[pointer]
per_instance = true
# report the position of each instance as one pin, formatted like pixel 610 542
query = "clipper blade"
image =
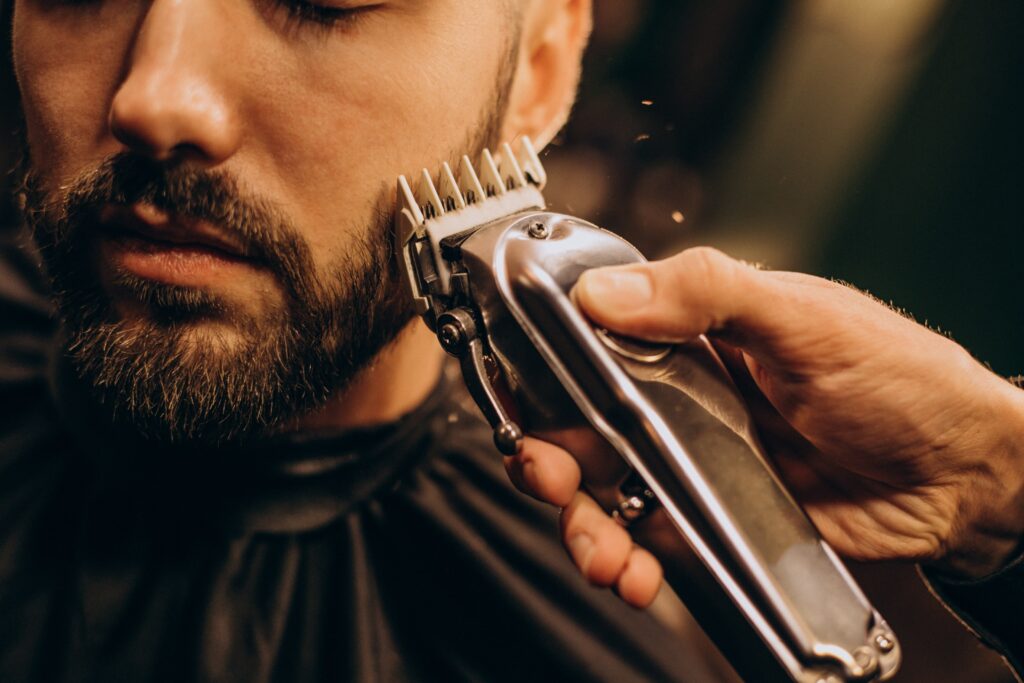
pixel 445 203
pixel 494 176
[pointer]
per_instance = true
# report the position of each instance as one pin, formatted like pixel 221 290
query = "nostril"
pixel 133 140
pixel 189 152
pixel 137 123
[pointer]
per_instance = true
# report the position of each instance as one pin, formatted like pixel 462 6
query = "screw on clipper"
pixel 538 231
pixel 885 642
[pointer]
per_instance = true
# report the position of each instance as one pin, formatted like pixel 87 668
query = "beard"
pixel 162 376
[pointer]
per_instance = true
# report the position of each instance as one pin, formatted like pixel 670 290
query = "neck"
pixel 399 379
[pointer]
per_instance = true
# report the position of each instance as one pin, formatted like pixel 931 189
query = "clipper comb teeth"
pixel 446 204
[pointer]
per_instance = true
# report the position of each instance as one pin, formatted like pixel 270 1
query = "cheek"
pixel 341 123
pixel 67 73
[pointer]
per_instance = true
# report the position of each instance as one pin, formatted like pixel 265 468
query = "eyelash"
pixel 304 11
pixel 300 12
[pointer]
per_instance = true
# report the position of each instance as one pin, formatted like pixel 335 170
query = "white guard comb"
pixel 437 209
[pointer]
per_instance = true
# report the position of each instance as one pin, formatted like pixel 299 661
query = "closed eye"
pixel 324 12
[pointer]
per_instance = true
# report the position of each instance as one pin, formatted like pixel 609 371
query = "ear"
pixel 554 35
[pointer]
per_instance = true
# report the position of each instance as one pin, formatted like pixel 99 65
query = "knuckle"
pixel 574 514
pixel 609 562
pixel 705 261
pixel 638 590
pixel 603 573
pixel 696 274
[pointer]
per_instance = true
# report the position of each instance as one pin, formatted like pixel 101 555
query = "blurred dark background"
pixel 874 141
pixel 868 140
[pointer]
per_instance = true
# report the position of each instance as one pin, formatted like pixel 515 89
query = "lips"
pixel 150 224
pixel 151 244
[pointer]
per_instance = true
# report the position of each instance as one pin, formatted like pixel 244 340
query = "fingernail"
pixel 581 547
pixel 616 288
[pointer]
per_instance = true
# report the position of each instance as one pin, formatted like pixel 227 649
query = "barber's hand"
pixel 898 444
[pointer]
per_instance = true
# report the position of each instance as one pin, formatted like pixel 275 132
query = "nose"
pixel 174 101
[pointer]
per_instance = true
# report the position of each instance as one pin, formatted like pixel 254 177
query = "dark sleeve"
pixel 502 601
pixel 992 608
pixel 26 333
pixel 28 464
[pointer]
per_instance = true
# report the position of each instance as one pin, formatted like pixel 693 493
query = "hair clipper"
pixel 663 439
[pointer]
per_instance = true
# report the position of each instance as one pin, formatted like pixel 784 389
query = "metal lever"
pixel 457 332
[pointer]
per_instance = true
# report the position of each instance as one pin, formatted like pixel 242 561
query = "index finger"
pixel 544 471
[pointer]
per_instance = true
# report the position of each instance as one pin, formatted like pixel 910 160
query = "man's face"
pixel 211 182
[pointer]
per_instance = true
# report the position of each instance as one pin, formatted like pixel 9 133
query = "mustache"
pixel 263 232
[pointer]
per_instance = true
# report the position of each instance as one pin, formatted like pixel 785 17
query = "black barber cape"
pixel 398 553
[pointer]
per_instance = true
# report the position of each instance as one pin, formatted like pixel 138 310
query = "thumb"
pixel 698 291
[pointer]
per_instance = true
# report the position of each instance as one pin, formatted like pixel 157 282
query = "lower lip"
pixel 173 264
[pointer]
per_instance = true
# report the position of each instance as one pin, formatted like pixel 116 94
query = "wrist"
pixel 989 533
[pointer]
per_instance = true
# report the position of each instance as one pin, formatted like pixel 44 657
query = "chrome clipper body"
pixel 662 436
